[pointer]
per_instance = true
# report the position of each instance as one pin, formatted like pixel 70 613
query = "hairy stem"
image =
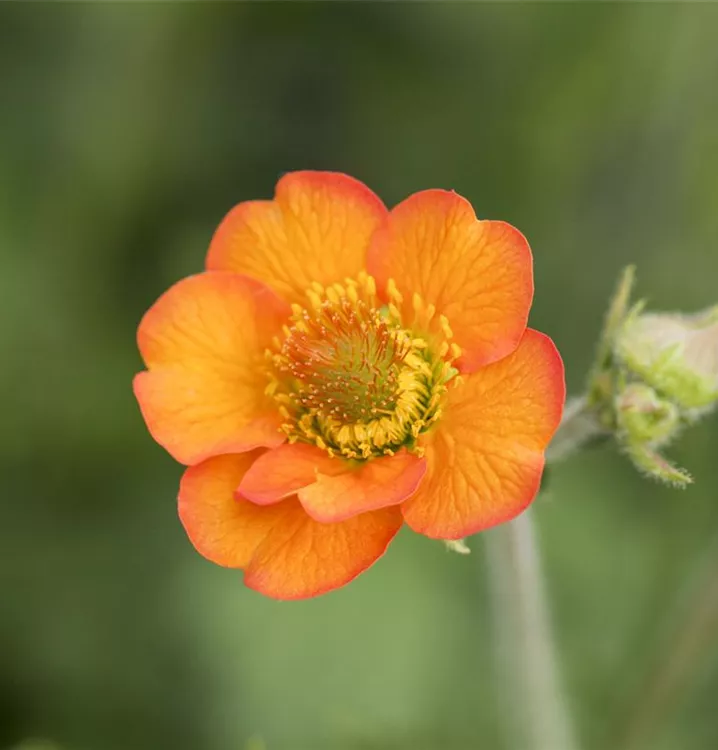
pixel 534 711
pixel 578 427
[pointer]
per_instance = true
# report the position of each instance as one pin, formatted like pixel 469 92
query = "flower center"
pixel 350 378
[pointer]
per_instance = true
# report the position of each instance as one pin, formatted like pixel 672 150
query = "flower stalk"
pixel 578 428
pixel 532 704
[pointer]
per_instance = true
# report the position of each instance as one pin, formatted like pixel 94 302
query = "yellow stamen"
pixel 352 378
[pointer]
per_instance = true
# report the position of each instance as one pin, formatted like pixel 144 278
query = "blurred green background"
pixel 126 132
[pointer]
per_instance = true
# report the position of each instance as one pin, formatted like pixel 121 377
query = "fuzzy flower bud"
pixel 655 373
pixel 676 354
pixel 645 421
pixel 644 416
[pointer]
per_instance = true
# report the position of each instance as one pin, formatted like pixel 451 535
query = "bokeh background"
pixel 126 132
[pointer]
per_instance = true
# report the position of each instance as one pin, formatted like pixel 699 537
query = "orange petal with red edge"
pixel 486 456
pixel 286 554
pixel 477 273
pixel 285 470
pixel 222 529
pixel 301 557
pixel 317 229
pixel 331 489
pixel 203 343
pixel 377 483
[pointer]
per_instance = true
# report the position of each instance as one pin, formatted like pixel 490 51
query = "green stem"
pixel 534 711
pixel 578 427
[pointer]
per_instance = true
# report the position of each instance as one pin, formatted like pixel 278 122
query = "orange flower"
pixel 339 369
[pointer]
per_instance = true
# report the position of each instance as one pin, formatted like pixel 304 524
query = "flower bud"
pixel 645 421
pixel 654 374
pixel 675 354
pixel 644 417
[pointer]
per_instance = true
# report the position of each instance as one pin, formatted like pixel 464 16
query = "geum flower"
pixel 340 369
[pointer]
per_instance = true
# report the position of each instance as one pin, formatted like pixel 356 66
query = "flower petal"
pixel 301 557
pixel 285 470
pixel 203 342
pixel 487 453
pixel 377 483
pixel 286 554
pixel 222 529
pixel 331 489
pixel 477 273
pixel 317 229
